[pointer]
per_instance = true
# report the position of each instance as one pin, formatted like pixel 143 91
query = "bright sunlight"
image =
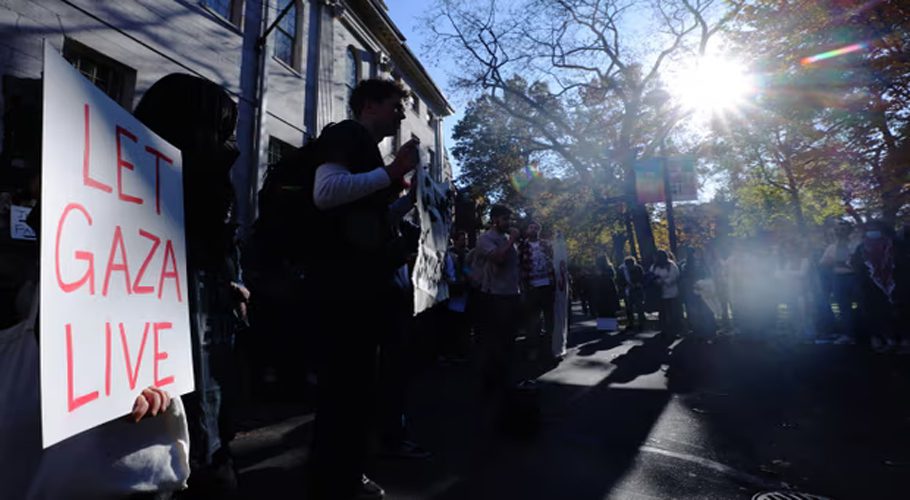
pixel 713 84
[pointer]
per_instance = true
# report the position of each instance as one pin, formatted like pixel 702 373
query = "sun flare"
pixel 713 84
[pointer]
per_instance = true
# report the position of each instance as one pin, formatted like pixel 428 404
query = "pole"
pixel 262 40
pixel 668 198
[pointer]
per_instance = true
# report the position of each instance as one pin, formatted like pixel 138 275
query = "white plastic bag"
pixel 113 460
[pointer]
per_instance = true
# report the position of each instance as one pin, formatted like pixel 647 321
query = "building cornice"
pixel 373 14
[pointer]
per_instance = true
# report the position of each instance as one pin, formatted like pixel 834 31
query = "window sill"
pixel 287 67
pixel 218 18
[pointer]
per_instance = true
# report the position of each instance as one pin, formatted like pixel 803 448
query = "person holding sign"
pixel 128 456
pixel 199 117
pixel 355 258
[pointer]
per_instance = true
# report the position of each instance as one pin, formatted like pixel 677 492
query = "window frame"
pixel 234 17
pixel 415 103
pixel 276 150
pixel 125 89
pixel 352 59
pixel 295 13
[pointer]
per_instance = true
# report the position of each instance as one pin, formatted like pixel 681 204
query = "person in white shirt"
pixel 667 273
pixel 538 289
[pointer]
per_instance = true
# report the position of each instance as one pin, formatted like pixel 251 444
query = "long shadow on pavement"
pixel 591 434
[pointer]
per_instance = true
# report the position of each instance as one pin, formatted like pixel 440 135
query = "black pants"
pixel 208 407
pixel 348 336
pixel 396 359
pixel 539 301
pixel 497 322
pixel 670 316
pixel 635 306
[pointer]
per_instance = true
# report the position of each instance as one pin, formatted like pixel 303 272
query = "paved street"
pixel 639 417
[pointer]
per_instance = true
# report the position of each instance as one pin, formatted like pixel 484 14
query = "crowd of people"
pixel 846 286
pixel 352 276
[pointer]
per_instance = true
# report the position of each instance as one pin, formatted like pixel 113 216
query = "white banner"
pixel 561 296
pixel 435 207
pixel 114 315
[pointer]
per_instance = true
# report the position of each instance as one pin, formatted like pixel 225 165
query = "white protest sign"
pixel 434 205
pixel 18 229
pixel 114 314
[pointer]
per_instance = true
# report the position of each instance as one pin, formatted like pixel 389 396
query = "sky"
pixel 406 15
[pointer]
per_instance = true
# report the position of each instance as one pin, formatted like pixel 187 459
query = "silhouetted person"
pixel 198 117
pixel 354 262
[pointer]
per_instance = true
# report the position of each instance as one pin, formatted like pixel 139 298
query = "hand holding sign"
pixel 151 400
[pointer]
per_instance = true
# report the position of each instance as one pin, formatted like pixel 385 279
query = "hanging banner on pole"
pixel 435 208
pixel 114 317
pixel 683 179
pixel 649 180
pixel 561 297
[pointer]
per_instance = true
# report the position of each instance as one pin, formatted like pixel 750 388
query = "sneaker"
pixel 369 490
pixel 405 449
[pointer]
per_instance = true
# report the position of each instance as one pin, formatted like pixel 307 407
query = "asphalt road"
pixel 640 417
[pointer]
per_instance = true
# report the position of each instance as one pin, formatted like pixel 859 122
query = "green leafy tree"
pixel 596 111
pixel 860 97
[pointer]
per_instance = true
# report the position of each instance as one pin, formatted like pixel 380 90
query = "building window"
pixel 415 103
pixel 352 73
pixel 278 149
pixel 430 118
pixel 228 9
pixel 431 164
pixel 286 34
pixel 114 79
pixel 370 59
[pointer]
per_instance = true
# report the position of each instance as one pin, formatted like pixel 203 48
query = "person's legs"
pixel 501 316
pixel 676 316
pixel 844 287
pixel 534 306
pixel 663 316
pixel 630 311
pixel 547 297
pixel 486 330
pixel 346 393
pixel 207 408
pixel 637 298
pixel 393 365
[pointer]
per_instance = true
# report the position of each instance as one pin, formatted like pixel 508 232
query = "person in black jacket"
pixel 631 283
pixel 353 265
pixel 199 118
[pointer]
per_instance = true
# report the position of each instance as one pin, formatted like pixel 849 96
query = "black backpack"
pixel 283 231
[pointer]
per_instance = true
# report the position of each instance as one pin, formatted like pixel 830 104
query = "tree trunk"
pixel 798 211
pixel 642 223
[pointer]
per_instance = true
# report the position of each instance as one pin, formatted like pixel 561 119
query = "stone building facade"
pixel 288 84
